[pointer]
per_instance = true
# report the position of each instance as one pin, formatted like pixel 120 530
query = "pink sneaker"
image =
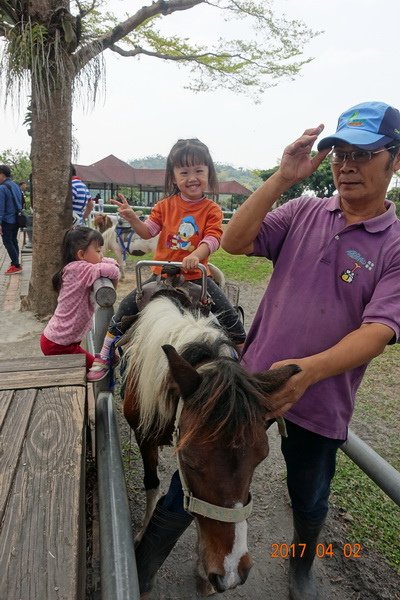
pixel 100 368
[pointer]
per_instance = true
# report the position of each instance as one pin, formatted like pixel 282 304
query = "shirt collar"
pixel 379 223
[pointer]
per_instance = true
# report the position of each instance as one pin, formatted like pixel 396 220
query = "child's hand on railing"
pixel 189 263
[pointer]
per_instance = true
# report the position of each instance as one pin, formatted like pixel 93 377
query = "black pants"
pixel 10 241
pixel 311 462
pixel 221 308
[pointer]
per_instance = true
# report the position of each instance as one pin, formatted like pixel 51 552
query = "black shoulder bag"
pixel 21 216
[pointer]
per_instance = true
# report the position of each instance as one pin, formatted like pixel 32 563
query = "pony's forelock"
pixel 147 372
pixel 227 405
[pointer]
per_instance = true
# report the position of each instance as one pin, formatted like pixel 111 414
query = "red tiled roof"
pixel 150 177
pixel 108 170
pixel 114 170
pixel 233 187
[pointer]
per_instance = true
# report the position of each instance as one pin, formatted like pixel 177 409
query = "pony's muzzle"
pixel 221 583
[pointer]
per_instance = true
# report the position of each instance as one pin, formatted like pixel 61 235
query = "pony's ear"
pixel 274 379
pixel 186 376
pixel 270 381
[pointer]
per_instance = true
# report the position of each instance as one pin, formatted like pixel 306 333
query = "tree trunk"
pixel 51 187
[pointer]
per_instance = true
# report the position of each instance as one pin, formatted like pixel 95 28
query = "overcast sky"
pixel 145 109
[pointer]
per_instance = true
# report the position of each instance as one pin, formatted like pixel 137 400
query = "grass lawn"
pixel 374 519
pixel 249 269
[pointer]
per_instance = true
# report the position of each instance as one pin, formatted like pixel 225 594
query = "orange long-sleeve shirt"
pixel 183 226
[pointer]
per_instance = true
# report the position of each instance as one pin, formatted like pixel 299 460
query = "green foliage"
pixel 294 192
pixel 19 163
pixel 156 161
pixel 272 51
pixel 394 196
pixel 319 183
pixel 131 194
pixel 51 44
pixel 246 177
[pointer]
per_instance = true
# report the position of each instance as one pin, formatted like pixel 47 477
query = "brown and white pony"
pixel 175 353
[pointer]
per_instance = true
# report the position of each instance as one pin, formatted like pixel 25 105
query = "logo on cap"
pixel 353 122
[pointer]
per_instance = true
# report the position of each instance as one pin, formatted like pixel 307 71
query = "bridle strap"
pixel 200 507
pixel 124 245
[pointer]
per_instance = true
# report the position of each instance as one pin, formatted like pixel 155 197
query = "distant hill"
pixel 149 162
pixel 225 172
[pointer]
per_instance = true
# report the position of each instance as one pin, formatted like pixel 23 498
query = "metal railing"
pixel 119 580
pixel 378 469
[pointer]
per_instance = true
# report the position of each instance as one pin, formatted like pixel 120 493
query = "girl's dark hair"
pixel 186 153
pixel 75 239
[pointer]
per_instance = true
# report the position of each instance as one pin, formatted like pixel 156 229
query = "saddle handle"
pixel 160 263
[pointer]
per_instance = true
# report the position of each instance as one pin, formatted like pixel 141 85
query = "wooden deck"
pixel 42 478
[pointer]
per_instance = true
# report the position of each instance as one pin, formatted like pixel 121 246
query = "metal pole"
pixel 104 292
pixel 119 580
pixel 377 469
pixel 105 296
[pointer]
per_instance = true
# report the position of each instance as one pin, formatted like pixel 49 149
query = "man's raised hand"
pixel 297 163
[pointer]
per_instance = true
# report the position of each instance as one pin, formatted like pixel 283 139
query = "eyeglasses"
pixel 338 157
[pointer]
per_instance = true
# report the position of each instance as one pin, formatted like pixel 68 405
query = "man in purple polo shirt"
pixel 333 301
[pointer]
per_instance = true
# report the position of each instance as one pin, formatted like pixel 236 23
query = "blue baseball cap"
pixel 370 125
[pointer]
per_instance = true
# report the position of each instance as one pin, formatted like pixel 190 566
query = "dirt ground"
pixel 364 578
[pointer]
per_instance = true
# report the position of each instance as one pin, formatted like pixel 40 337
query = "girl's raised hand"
pixel 124 209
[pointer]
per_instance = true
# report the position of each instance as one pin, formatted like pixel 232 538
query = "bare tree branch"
pixel 179 57
pixel 82 11
pixel 161 7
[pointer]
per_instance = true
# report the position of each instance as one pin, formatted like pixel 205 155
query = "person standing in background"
pixel 82 202
pixel 10 204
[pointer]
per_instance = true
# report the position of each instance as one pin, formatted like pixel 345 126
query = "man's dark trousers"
pixel 10 241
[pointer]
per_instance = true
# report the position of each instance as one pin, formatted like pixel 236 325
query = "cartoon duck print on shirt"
pixel 182 240
pixel 349 274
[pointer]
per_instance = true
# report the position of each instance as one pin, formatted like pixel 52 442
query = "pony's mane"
pixel 147 374
pixel 226 406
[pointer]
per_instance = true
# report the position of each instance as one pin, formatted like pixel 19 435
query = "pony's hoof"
pixel 145 596
pixel 204 587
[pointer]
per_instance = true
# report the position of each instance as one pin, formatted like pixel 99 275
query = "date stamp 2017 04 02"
pixel 321 550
